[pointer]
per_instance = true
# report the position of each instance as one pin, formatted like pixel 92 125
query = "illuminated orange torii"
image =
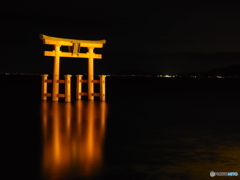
pixel 75 53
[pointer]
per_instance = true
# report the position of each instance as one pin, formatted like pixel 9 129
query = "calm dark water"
pixel 148 128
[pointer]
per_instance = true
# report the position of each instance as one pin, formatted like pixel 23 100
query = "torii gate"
pixel 75 53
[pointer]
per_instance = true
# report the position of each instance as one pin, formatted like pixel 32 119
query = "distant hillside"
pixel 233 70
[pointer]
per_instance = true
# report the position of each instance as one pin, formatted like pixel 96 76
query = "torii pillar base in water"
pixel 74 45
pixel 67 83
pixel 79 92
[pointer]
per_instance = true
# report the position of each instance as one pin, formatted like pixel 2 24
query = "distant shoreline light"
pixel 133 75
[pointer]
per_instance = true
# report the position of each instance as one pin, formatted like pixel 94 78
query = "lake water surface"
pixel 148 128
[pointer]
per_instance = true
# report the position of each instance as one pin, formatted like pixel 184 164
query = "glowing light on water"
pixel 72 138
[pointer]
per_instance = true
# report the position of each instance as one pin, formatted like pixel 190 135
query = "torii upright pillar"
pixel 55 85
pixel 90 74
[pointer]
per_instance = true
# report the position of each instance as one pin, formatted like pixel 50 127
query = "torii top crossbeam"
pixel 75 44
pixel 70 42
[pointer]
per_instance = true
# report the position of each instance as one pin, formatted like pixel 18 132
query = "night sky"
pixel 150 37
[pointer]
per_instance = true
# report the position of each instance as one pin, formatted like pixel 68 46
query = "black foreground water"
pixel 148 128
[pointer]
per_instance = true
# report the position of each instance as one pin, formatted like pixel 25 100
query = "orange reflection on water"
pixel 73 136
